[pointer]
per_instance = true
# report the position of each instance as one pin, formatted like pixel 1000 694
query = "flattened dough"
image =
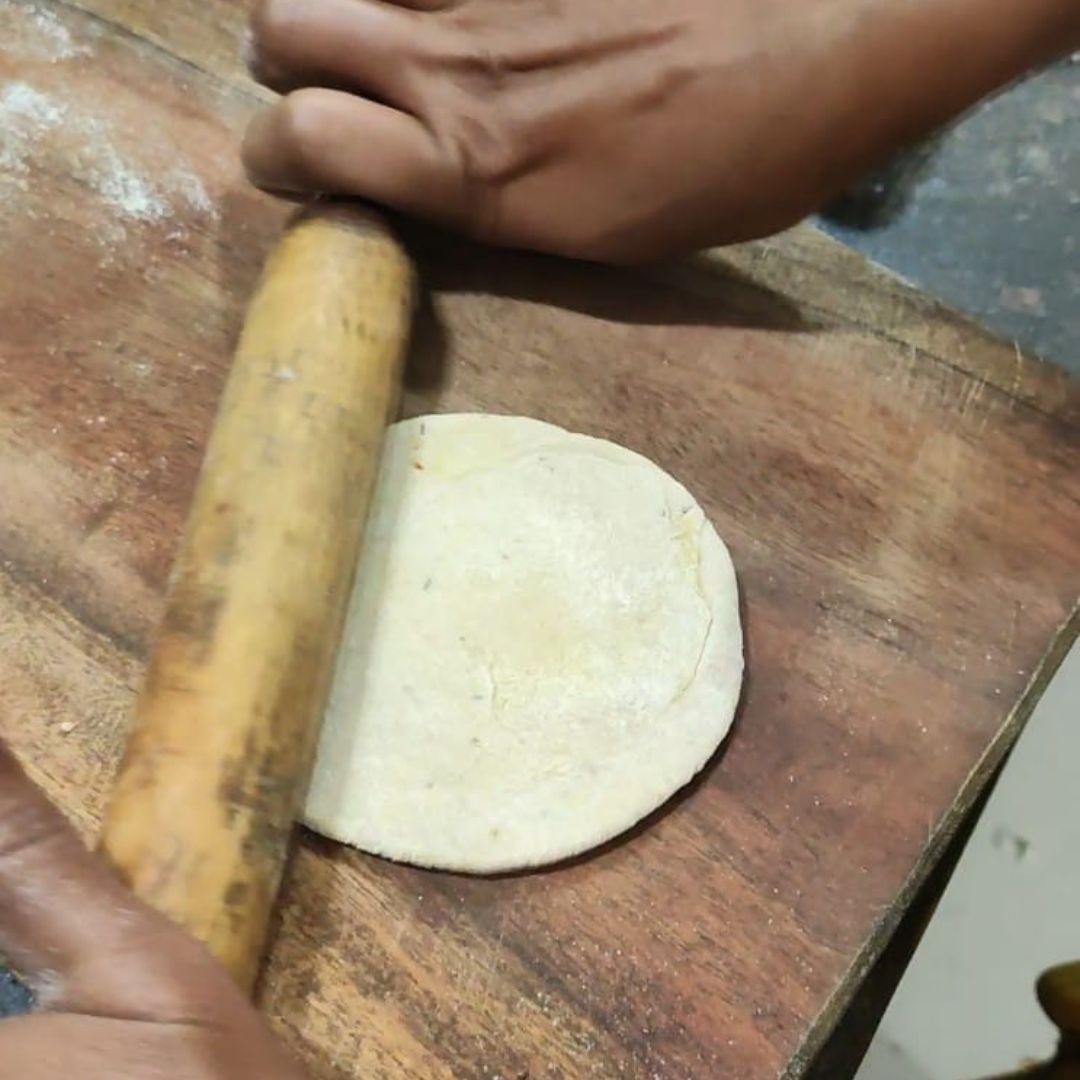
pixel 543 645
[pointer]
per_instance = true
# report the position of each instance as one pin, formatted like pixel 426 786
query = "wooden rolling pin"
pixel 224 734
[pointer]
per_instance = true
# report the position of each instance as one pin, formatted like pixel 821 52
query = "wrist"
pixel 913 65
pixel 934 58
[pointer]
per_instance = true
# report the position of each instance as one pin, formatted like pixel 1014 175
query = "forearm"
pixel 923 62
pixel 886 73
pixel 944 55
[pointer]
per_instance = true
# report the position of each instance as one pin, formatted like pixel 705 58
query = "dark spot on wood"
pixel 193 613
pixel 228 541
pixel 99 515
pixel 237 893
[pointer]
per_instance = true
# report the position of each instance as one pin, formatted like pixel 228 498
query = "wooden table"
pixel 900 492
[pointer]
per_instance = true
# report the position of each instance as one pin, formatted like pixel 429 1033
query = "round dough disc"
pixel 543 645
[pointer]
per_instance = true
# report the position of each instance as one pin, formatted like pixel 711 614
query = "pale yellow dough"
pixel 543 645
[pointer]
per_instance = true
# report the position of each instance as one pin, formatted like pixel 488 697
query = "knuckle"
pixel 488 154
pixel 299 129
pixel 28 828
pixel 461 78
pixel 272 22
pixel 476 60
pixel 485 166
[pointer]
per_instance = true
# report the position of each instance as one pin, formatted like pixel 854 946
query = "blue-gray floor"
pixel 13 998
pixel 993 226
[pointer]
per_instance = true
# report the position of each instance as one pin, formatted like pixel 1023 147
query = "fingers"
pixel 361 45
pixel 53 894
pixel 104 1048
pixel 350 123
pixel 328 141
pixel 94 1048
pixel 75 932
pixel 129 993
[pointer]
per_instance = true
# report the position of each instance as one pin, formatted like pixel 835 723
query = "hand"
pixel 620 130
pixel 122 992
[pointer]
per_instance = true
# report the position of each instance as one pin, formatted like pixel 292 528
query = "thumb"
pixel 73 930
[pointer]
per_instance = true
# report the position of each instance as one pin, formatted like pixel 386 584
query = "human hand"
pixel 620 130
pixel 121 991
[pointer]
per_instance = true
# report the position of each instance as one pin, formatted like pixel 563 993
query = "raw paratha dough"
pixel 543 645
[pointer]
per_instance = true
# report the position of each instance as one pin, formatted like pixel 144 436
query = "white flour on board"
pixel 56 38
pixel 122 187
pixel 26 116
pixel 22 101
pixel 125 190
pixel 51 41
pixel 56 134
pixel 40 129
pixel 190 188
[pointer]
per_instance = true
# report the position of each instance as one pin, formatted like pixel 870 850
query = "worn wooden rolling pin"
pixel 225 729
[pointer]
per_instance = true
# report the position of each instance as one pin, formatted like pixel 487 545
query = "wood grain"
pixel 901 495
pixel 224 732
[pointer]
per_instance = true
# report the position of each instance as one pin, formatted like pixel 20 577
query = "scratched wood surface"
pixel 901 495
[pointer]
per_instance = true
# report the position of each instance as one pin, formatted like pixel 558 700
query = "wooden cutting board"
pixel 900 492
